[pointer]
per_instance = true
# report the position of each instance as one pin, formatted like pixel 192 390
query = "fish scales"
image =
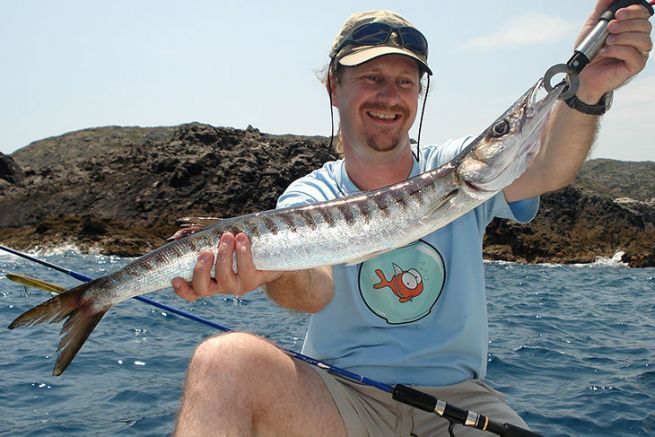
pixel 343 230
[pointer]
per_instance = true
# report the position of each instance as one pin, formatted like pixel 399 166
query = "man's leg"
pixel 241 385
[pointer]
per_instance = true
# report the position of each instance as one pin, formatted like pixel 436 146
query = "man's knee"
pixel 230 352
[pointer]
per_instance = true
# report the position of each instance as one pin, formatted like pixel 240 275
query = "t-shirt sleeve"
pixel 291 198
pixel 522 211
pixel 313 188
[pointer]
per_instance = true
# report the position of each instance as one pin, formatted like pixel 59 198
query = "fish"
pixel 405 284
pixel 347 230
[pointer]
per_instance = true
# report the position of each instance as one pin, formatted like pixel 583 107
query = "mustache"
pixel 377 107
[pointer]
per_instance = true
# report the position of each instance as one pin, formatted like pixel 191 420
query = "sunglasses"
pixel 373 34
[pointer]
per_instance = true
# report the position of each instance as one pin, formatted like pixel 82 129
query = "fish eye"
pixel 501 128
pixel 409 280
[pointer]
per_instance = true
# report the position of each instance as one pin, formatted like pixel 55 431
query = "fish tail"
pixel 383 280
pixel 82 318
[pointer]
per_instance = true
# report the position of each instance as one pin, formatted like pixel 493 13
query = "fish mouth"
pixel 498 161
pixel 539 98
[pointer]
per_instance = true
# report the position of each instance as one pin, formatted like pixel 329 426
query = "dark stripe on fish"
pixel 364 209
pixel 415 191
pixel 347 213
pixel 270 225
pixel 399 197
pixel 308 218
pixel 287 219
pixel 177 248
pixel 327 217
pixel 251 228
pixel 236 228
pixel 381 202
pixel 190 243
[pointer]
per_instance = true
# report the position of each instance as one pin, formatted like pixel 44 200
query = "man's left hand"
pixel 624 54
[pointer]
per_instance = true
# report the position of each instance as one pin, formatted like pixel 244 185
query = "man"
pixel 240 384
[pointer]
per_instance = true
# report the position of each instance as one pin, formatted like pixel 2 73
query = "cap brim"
pixel 366 53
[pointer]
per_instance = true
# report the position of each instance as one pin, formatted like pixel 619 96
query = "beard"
pixel 385 139
pixel 382 142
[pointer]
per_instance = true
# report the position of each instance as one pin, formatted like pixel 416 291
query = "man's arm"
pixel 303 290
pixel 570 134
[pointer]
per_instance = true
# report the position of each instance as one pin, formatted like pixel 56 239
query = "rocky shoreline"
pixel 120 190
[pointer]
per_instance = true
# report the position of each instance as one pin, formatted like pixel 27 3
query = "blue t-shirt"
pixel 418 314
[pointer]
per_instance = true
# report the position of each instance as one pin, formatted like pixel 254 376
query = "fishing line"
pixel 399 392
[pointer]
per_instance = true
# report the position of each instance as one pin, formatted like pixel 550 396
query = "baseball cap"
pixel 358 41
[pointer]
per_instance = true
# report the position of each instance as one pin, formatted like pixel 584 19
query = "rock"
pixel 9 170
pixel 120 190
pixel 575 226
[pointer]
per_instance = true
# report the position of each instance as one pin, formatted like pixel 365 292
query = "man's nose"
pixel 389 92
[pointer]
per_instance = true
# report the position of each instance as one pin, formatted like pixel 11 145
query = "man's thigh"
pixel 367 411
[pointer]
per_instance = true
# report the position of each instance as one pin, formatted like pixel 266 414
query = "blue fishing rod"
pixel 401 393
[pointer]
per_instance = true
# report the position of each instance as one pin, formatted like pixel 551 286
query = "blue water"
pixel 572 347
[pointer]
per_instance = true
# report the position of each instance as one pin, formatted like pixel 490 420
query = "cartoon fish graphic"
pixel 404 284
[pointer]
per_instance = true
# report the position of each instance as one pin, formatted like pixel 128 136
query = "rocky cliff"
pixel 120 190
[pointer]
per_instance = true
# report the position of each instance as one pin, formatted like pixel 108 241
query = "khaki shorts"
pixel 367 411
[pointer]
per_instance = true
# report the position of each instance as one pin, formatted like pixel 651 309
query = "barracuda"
pixel 345 230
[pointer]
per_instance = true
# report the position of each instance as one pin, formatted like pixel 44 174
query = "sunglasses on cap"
pixel 373 34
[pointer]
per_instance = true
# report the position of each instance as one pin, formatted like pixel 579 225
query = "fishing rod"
pixel 401 393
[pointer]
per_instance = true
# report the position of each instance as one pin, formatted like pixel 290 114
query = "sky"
pixel 70 65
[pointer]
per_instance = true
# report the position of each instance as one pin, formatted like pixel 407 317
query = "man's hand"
pixel 624 54
pixel 570 134
pixel 227 281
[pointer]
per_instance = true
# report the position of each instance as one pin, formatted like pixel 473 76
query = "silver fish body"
pixel 344 230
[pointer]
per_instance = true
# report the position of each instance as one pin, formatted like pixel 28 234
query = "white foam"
pixel 55 250
pixel 62 249
pixel 614 261
pixel 510 264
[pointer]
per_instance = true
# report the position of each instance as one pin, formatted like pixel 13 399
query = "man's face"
pixel 377 102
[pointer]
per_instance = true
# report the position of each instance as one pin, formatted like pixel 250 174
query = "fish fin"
pixel 52 310
pixel 82 318
pixel 76 330
pixel 34 282
pixel 185 232
pixel 191 225
pixel 445 199
pixel 187 222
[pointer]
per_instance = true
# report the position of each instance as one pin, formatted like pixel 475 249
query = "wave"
pixel 67 248
pixel 62 249
pixel 614 261
pixel 510 264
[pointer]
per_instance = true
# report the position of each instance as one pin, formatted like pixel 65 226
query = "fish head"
pixel 505 149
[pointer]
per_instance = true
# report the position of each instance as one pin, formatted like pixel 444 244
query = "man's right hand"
pixel 227 281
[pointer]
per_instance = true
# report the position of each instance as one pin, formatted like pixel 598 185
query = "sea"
pixel 571 346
